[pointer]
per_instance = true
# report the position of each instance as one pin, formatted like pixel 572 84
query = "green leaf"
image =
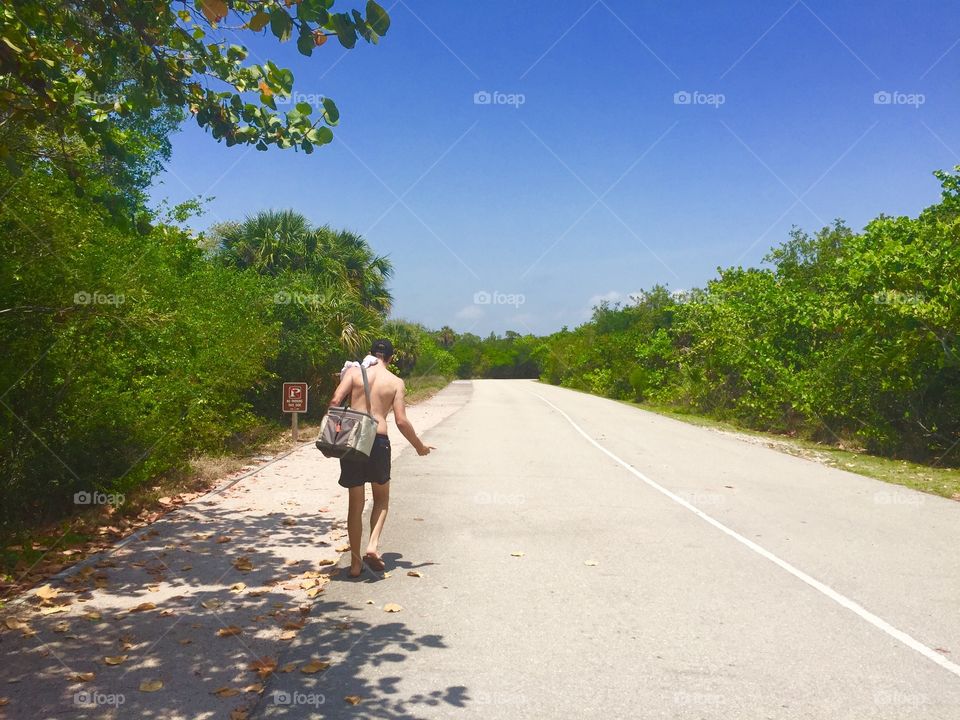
pixel 304 108
pixel 259 21
pixel 320 135
pixel 285 78
pixel 330 112
pixel 313 11
pixel 305 42
pixel 377 18
pixel 281 24
pixel 343 27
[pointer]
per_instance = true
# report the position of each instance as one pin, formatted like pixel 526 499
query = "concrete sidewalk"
pixel 195 615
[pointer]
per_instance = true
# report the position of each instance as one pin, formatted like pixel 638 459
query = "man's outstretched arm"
pixel 404 425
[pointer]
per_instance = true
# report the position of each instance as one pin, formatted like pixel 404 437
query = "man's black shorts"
pixel 376 469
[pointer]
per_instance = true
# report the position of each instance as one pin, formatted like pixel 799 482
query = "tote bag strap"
pixel 366 389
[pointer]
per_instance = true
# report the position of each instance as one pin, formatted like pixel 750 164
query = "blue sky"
pixel 588 177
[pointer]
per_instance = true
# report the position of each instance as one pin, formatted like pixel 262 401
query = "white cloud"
pixel 470 312
pixel 610 297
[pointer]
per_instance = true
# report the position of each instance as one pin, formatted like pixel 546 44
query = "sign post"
pixel 294 401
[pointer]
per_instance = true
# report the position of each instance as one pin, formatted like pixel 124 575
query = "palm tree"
pixel 446 337
pixel 333 283
pixel 269 242
pixel 275 241
pixel 367 272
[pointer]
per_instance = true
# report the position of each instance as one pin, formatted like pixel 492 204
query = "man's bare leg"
pixel 378 516
pixel 355 528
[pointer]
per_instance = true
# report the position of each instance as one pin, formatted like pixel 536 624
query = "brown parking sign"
pixel 295 397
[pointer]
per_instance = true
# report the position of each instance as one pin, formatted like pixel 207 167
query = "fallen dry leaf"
pixel 4 701
pixel 61 627
pixel 313 592
pixel 343 548
pixel 263 666
pixel 314 666
pixel 13 623
pixel 238 587
pixel 353 699
pixel 370 602
pixel 226 692
pixel 288 635
pixel 92 615
pixel 150 685
pixel 392 608
pixel 127 641
pixel 224 539
pixel 51 609
pixel 229 631
pixel 414 573
pixel 255 687
pixel 186 641
pixel 289 521
pixel 243 564
pixel 142 607
pixel 516 553
pixel 114 659
pixel 289 667
pixel 239 714
pixel 591 563
pixel 212 604
pixel 326 562
pixel 82 677
pixel 45 592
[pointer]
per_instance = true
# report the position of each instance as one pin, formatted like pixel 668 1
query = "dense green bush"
pixel 122 352
pixel 844 336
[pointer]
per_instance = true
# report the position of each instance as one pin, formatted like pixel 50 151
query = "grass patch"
pixel 423 387
pixel 935 480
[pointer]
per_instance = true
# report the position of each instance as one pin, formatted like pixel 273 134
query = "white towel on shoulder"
pixel 367 362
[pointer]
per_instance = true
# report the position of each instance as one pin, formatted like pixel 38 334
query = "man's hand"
pixel 425 449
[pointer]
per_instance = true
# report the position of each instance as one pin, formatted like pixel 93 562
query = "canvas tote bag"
pixel 347 433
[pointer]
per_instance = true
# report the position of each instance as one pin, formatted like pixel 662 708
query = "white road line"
pixel 840 599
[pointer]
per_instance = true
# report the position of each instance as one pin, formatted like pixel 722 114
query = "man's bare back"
pixel 385 387
pixel 387 393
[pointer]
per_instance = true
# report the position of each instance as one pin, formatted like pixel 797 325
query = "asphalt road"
pixel 637 567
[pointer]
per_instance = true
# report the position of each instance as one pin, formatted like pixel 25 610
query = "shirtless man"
pixel 386 394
